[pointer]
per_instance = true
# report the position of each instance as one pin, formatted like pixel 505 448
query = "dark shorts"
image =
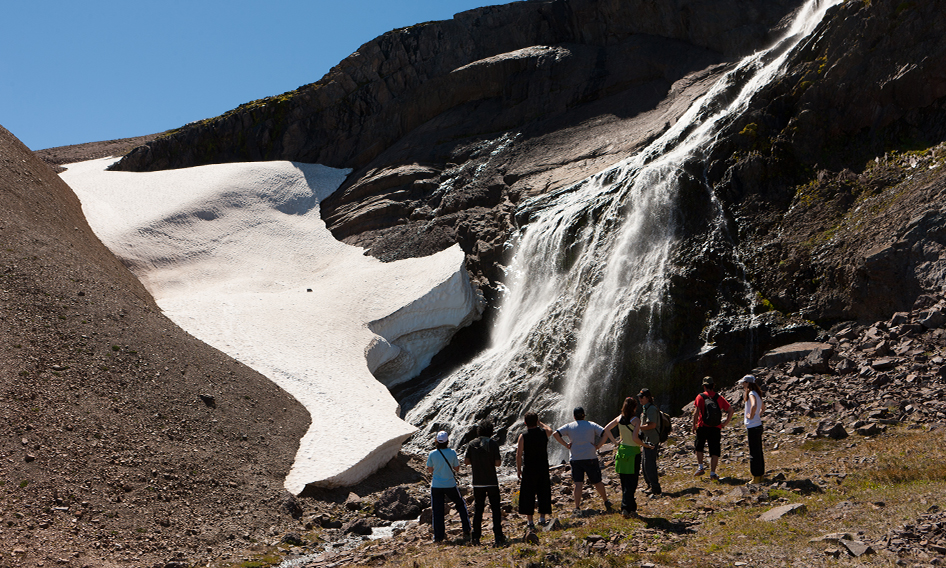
pixel 710 435
pixel 581 467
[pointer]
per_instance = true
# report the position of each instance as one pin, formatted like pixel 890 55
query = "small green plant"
pixel 24 483
pixel 751 130
pixel 767 306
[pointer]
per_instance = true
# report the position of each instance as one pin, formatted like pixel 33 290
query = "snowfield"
pixel 238 256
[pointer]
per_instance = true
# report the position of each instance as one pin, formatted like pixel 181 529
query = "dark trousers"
pixel 480 494
pixel 535 488
pixel 629 487
pixel 650 469
pixel 756 459
pixel 438 495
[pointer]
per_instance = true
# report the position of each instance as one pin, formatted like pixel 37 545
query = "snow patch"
pixel 238 256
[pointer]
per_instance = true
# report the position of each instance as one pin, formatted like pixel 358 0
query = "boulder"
pixel 932 319
pixel 359 526
pixel 817 360
pixel 856 548
pixel 779 512
pixel 871 429
pixel 354 502
pixel 796 352
pixel 397 504
pixel 833 430
pixel 327 522
pixel 899 318
pixel 530 537
pixel 289 505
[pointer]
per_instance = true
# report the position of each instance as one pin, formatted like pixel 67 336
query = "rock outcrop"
pixel 830 186
pixel 409 76
pixel 449 124
pixel 834 178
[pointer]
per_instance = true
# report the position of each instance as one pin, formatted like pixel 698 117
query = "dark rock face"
pixel 834 177
pixel 406 77
pixel 448 125
pixel 832 213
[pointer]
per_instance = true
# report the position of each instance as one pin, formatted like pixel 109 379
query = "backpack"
pixel 712 413
pixel 664 426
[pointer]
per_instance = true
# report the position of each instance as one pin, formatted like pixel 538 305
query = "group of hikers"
pixel 639 428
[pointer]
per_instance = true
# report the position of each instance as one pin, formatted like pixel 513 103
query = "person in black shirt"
pixel 483 456
pixel 532 468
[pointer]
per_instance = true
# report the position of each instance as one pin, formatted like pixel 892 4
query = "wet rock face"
pixel 832 224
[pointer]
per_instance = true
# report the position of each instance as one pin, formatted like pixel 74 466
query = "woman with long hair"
pixel 755 406
pixel 627 459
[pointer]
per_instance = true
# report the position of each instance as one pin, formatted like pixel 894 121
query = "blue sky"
pixel 73 72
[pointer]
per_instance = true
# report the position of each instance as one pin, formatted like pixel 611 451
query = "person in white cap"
pixel 443 464
pixel 755 406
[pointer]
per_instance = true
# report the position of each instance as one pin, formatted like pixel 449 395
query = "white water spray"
pixel 590 258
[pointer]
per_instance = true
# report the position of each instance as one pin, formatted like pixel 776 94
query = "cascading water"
pixel 591 261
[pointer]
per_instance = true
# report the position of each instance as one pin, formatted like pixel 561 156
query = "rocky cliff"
pixel 449 124
pixel 834 180
pixel 831 185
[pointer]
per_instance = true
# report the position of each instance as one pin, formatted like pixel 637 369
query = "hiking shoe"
pixel 542 521
pixel 714 477
pixel 700 470
pixel 576 512
pixel 757 479
pixel 500 542
pixel 530 526
pixel 608 506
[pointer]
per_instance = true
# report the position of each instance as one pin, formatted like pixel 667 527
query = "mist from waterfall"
pixel 589 259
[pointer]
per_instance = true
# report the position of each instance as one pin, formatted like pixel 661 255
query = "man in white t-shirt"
pixel 583 455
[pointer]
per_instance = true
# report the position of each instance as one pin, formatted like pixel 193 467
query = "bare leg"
pixel 699 458
pixel 713 461
pixel 599 487
pixel 578 487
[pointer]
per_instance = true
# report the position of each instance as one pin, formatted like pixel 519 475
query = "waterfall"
pixel 592 261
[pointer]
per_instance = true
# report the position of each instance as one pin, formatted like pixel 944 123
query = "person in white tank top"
pixel 755 406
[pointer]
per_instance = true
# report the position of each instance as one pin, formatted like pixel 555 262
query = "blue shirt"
pixel 443 478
